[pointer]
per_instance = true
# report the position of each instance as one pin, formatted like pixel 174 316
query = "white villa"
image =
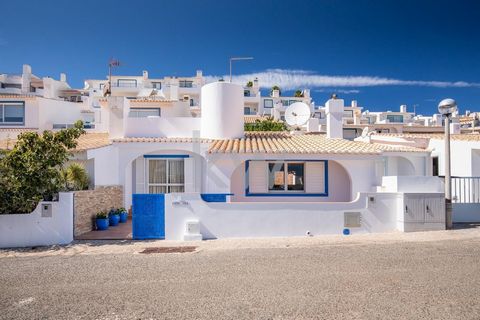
pixel 217 181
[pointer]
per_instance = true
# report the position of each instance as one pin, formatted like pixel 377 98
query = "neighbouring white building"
pixel 219 181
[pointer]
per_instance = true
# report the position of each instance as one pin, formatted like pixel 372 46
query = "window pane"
pixel 143 113
pixel 132 83
pixel 157 171
pixel 175 172
pixel 157 189
pixel 295 180
pixel 177 189
pixel 14 113
pixel 268 103
pixel 1 113
pixel 276 176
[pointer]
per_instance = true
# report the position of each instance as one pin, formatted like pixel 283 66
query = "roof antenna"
pixel 112 63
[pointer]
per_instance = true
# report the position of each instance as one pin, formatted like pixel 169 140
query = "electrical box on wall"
pixel 46 210
pixel 352 219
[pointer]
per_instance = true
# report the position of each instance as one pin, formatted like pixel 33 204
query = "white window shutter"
pixel 140 175
pixel 315 177
pixel 189 171
pixel 258 177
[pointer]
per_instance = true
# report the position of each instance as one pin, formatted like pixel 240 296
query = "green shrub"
pixel 102 215
pixel 31 171
pixel 268 124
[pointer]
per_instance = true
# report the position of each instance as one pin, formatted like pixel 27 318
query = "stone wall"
pixel 88 203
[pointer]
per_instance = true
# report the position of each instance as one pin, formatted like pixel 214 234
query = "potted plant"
pixel 102 220
pixel 123 215
pixel 113 217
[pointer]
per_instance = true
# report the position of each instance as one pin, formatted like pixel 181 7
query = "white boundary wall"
pixel 27 230
pixel 278 219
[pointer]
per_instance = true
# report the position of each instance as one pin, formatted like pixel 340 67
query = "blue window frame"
pixel 12 113
pixel 287 193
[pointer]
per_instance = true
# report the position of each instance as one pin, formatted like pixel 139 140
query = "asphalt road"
pixel 399 279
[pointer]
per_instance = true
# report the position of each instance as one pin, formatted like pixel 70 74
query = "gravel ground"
pixel 434 275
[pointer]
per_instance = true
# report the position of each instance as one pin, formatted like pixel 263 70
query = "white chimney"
pixel 403 108
pixel 63 77
pixel 199 73
pixel 313 125
pixel 306 93
pixel 334 112
pixel 145 75
pixel 27 69
pixel 354 103
pixel 222 111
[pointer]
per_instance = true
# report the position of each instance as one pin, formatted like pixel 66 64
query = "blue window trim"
pixel 285 194
pixel 166 156
pixel 13 124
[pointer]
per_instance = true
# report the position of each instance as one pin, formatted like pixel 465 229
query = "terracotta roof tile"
pixel 283 142
pixel 85 142
pixel 437 136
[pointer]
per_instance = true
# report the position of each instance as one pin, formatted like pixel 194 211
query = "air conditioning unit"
pixel 192 231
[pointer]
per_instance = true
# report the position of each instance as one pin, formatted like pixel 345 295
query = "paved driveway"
pixel 415 276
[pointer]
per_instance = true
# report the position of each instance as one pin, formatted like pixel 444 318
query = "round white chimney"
pixel 222 111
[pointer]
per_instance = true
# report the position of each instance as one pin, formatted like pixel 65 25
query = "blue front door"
pixel 148 216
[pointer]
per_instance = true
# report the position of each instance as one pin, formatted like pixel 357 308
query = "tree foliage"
pixel 74 177
pixel 31 170
pixel 276 88
pixel 268 124
pixel 298 94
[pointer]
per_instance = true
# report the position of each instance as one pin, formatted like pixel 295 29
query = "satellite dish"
pixel 297 114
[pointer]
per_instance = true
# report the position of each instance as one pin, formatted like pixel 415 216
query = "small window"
pixel 12 113
pixel 348 113
pixel 128 83
pixel 246 93
pixel 143 113
pixel 185 84
pixel 286 176
pixel 268 103
pixel 395 118
pixel 246 111
pixel 157 85
pixel 166 175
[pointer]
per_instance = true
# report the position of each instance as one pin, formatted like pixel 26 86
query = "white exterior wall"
pixel 465 160
pixel 57 112
pixel 280 219
pixel 27 230
pixel 177 127
pixel 105 163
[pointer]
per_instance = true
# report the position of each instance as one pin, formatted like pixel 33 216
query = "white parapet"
pixel 49 224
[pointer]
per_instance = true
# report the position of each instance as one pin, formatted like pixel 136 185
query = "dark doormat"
pixel 168 250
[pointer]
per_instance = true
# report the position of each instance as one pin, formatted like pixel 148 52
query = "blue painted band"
pixel 166 156
pixel 215 197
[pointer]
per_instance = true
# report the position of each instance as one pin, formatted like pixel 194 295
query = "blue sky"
pixel 381 53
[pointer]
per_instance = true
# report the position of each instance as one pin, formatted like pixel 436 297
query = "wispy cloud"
pixel 297 79
pixel 333 90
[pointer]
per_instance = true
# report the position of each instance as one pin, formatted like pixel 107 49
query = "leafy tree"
pixel 298 94
pixel 74 177
pixel 249 84
pixel 268 124
pixel 31 170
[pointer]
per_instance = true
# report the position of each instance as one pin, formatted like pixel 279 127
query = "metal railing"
pixel 465 189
